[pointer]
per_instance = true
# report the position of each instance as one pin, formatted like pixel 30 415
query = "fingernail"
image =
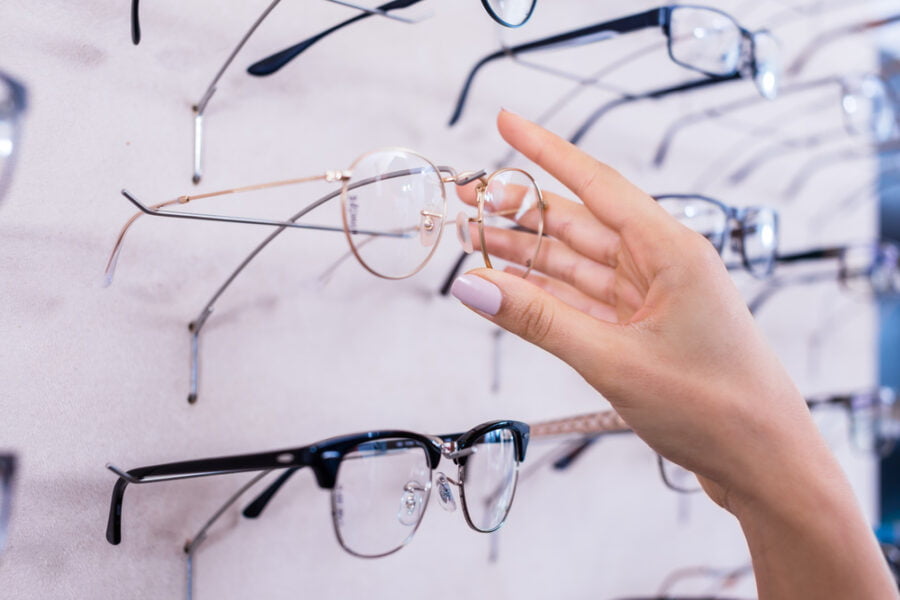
pixel 478 293
pixel 506 110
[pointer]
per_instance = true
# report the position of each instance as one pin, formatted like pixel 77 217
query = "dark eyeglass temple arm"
pixel 715 112
pixel 293 458
pixel 776 285
pixel 600 31
pixel 135 23
pixel 275 62
pixel 655 94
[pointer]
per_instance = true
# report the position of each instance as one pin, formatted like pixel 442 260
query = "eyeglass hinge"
pixel 337 175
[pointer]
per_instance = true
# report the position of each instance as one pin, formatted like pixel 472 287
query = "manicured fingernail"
pixel 478 293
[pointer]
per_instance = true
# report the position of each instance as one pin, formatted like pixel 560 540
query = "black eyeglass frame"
pixel 8 464
pixel 655 17
pixel 324 458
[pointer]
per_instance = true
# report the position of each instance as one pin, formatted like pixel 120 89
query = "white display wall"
pixel 94 375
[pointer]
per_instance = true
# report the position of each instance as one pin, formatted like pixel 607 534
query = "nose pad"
pixel 429 227
pixel 445 493
pixel 464 233
pixel 412 502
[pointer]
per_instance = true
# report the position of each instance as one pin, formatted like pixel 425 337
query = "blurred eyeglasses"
pixel 13 100
pixel 380 482
pixel 510 13
pixel 393 212
pixel 752 231
pixel 7 472
pixel 864 99
pixel 867 270
pixel 873 416
pixel 699 38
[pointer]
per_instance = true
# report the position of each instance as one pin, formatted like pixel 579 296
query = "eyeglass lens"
pixel 8 124
pixel 759 229
pixel 871 269
pixel 868 109
pixel 874 422
pixel 511 13
pixel 706 218
pixel 380 495
pixel 767 64
pixel 489 479
pixel 704 40
pixel 509 211
pixel 395 219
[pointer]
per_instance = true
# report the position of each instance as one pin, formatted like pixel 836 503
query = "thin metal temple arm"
pixel 200 107
pixel 685 121
pixel 780 148
pixel 776 285
pixel 817 163
pixel 586 126
pixel 197 324
pixel 190 547
pixel 275 62
pixel 651 18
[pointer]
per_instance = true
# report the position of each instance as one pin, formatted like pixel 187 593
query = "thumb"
pixel 515 304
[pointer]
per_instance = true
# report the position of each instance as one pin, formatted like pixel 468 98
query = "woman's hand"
pixel 644 309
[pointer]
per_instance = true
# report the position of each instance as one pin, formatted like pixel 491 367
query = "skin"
pixel 644 309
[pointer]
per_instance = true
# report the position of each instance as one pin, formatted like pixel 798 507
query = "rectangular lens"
pixel 704 40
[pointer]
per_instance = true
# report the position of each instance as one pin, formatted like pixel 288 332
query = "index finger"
pixel 608 195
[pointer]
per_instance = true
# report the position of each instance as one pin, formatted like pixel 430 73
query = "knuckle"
pixel 536 321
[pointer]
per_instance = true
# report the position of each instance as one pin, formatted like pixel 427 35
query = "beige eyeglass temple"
pixel 598 422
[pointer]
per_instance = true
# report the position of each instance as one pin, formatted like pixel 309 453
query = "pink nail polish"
pixel 478 293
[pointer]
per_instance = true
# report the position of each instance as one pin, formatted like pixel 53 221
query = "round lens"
pixel 678 478
pixel 767 64
pixel 8 132
pixel 760 240
pixel 489 479
pixel 868 109
pixel 380 494
pixel 394 210
pixel 703 215
pixel 513 221
pixel 705 40
pixel 511 13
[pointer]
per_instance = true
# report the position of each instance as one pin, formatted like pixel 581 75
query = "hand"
pixel 644 309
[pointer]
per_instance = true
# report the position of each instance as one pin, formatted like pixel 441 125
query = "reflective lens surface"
pixel 760 240
pixel 513 221
pixel 511 13
pixel 705 40
pixel 9 124
pixel 489 479
pixel 874 422
pixel 379 497
pixel 871 269
pixel 702 215
pixel 868 109
pixel 394 210
pixel 767 64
